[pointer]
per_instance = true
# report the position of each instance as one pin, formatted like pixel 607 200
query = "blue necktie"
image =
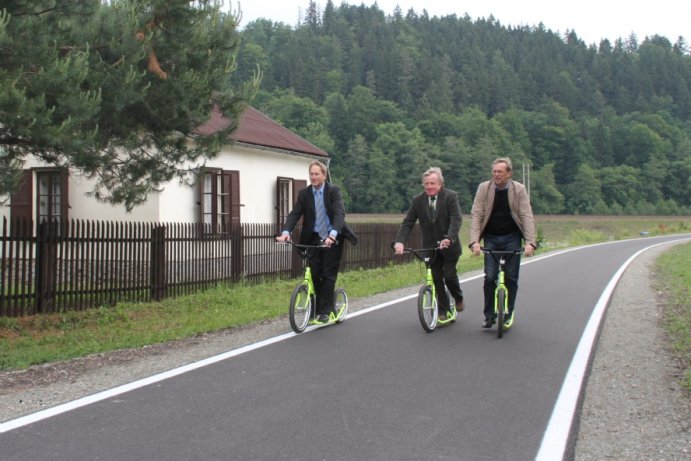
pixel 322 221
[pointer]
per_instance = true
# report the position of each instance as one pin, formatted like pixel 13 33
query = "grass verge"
pixel 673 278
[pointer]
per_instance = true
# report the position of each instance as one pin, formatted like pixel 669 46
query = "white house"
pixel 252 180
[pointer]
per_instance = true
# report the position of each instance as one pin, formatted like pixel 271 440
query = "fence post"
pixel 237 253
pixel 158 263
pixel 46 242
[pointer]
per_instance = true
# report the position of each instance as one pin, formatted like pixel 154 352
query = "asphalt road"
pixel 376 387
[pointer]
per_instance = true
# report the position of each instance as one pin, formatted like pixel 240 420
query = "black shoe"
pixel 487 323
pixel 323 318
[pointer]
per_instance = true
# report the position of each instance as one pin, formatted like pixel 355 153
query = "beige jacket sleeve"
pixel 481 211
pixel 522 212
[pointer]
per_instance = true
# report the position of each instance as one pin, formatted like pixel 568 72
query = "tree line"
pixel 115 89
pixel 603 129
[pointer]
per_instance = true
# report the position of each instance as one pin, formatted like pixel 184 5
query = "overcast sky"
pixel 592 20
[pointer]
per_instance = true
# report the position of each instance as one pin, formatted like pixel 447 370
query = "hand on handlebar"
pixel 476 249
pixel 282 238
pixel 398 248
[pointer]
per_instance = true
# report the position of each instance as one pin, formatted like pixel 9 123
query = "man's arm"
pixel 336 203
pixel 525 213
pixel 477 216
pixel 455 216
pixel 406 227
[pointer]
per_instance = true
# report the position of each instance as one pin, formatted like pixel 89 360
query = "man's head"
pixel 317 174
pixel 432 181
pixel 501 171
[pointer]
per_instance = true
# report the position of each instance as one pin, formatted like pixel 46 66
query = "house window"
pixel 283 187
pixel 49 195
pixel 42 195
pixel 220 200
pixel 286 193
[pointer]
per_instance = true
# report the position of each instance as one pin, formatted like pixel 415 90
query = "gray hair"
pixel 506 160
pixel 433 170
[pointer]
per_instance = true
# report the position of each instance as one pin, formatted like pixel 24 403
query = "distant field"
pixel 370 218
pixel 556 231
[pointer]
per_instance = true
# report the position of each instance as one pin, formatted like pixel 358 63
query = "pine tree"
pixel 115 90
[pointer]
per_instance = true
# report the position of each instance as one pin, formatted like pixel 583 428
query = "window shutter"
pixel 279 199
pixel 65 202
pixel 20 202
pixel 200 196
pixel 234 179
pixel 298 185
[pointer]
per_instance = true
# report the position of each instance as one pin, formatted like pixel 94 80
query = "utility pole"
pixel 526 176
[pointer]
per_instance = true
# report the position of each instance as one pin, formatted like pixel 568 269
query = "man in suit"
pixel 323 212
pixel 439 213
pixel 502 217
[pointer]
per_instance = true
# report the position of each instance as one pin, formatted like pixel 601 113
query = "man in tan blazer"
pixel 503 218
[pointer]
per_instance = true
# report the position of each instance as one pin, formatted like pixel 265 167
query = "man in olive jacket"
pixel 439 213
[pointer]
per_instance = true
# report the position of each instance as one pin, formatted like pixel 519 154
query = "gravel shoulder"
pixel 632 409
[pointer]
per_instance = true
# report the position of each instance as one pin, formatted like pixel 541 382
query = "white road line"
pixel 558 429
pixel 88 400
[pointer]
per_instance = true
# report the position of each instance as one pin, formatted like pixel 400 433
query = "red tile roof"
pixel 257 129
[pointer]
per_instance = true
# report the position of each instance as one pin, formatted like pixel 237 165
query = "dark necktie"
pixel 433 207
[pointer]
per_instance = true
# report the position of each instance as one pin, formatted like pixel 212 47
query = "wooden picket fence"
pixel 76 265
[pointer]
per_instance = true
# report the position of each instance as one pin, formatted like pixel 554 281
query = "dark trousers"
pixel 511 268
pixel 445 276
pixel 325 265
